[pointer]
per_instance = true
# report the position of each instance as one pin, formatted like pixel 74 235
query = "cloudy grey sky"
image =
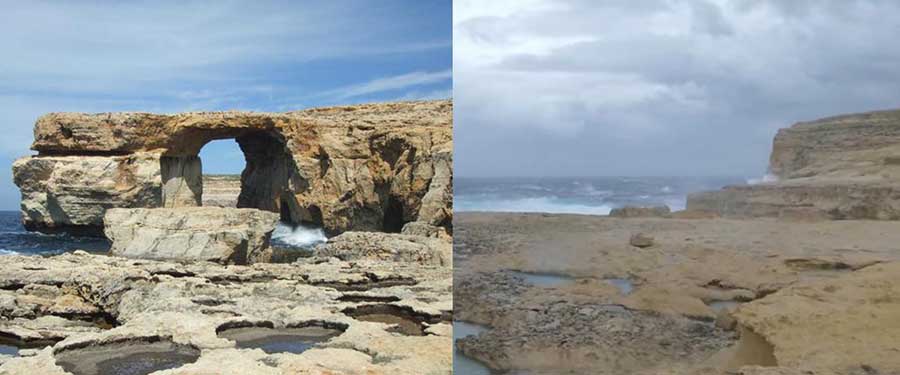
pixel 272 55
pixel 593 87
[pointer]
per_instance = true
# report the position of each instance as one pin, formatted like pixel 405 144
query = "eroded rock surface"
pixel 389 247
pixel 806 295
pixel 215 234
pixel 370 167
pixel 190 305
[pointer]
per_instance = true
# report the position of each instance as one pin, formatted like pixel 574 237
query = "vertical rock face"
pixel 371 167
pixel 844 167
pixel 71 193
pixel 840 147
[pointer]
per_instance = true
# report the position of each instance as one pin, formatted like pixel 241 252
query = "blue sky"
pixel 166 57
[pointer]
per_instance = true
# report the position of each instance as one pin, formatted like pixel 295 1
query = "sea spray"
pixel 579 195
pixel 301 236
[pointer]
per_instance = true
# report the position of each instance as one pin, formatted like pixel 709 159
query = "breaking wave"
pixel 539 204
pixel 303 236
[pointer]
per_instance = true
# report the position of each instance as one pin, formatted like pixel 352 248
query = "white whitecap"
pixel 298 235
pixel 768 178
pixel 540 204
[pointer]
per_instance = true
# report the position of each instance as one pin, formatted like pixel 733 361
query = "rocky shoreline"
pixel 80 303
pixel 749 280
pixel 191 284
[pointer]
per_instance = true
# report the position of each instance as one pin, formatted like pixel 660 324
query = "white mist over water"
pixel 768 177
pixel 298 235
pixel 537 204
pixel 578 195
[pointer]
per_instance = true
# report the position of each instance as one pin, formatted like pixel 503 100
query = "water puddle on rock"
pixel 625 286
pixel 12 346
pixel 280 340
pixel 405 320
pixel 543 279
pixel 718 306
pixel 461 364
pixel 9 350
pixel 129 358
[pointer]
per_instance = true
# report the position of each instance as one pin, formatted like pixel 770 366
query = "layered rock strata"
pixel 215 234
pixel 844 167
pixel 371 167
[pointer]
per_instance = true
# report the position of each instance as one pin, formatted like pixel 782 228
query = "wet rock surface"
pixel 188 317
pixel 712 296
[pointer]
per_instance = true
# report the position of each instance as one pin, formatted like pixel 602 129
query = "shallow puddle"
pixel 461 364
pixel 404 325
pixel 134 358
pixel 279 340
pixel 543 279
pixel 405 320
pixel 9 350
pixel 723 305
pixel 625 286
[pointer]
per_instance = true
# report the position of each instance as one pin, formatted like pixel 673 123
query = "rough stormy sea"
pixel 14 239
pixel 579 195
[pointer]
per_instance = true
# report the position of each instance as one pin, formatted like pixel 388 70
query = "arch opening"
pixel 245 170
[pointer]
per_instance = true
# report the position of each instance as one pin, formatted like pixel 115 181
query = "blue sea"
pixel 14 239
pixel 579 195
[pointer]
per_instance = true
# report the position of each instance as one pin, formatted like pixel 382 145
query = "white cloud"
pixel 391 83
pixel 644 87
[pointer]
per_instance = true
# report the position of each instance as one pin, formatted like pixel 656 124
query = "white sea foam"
pixel 541 204
pixel 764 179
pixel 8 252
pixel 299 235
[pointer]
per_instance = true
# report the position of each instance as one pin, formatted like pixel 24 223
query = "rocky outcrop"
pixel 371 167
pixel 71 193
pixel 839 325
pixel 221 190
pixel 864 144
pixel 130 304
pixel 216 234
pixel 389 247
pixel 844 167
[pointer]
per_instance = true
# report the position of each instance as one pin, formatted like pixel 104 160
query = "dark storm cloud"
pixel 659 87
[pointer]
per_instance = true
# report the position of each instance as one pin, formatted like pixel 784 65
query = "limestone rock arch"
pixel 372 167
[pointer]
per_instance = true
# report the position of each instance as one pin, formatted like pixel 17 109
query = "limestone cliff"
pixel 843 167
pixel 370 167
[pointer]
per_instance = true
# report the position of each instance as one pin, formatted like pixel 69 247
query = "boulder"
pixel 216 234
pixel 388 247
pixel 635 211
pixel 641 240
